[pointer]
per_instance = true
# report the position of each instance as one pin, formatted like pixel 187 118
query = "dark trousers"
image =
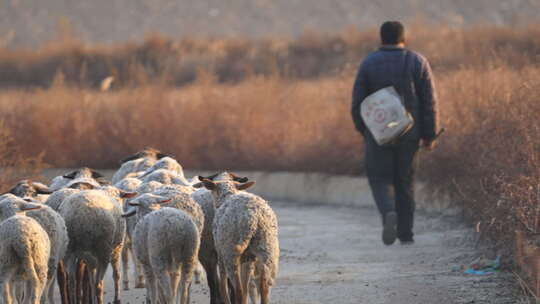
pixel 390 172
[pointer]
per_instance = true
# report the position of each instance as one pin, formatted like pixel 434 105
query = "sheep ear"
pixel 165 201
pixel 208 184
pixel 96 174
pixel 29 206
pixel 70 175
pixel 124 194
pixel 198 185
pixel 211 177
pixel 129 158
pixel 162 155
pixel 130 212
pixel 239 179
pixel 103 182
pixel 82 186
pixel 244 186
pixel 41 189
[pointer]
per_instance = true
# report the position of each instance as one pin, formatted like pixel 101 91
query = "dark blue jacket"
pixel 413 80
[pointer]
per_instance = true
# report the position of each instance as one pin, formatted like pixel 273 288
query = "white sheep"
pixel 57 197
pixel 245 231
pixel 54 225
pixel 24 251
pixel 28 188
pixel 165 176
pixel 131 185
pixel 169 169
pixel 166 241
pixel 61 181
pixel 137 162
pixel 96 232
pixel 207 253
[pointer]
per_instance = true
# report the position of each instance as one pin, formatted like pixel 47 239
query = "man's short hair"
pixel 392 32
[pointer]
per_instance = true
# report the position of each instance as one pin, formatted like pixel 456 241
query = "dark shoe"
pixel 389 233
pixel 405 242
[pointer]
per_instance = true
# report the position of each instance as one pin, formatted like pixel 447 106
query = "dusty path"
pixel 334 255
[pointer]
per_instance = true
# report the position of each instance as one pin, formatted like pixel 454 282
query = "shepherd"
pixel 391 166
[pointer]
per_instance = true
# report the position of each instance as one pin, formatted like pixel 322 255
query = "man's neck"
pixel 392 46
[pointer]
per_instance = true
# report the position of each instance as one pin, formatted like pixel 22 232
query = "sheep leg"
pixel 264 285
pixel 151 295
pixel 212 279
pixel 49 290
pixel 238 292
pixel 86 286
pixel 34 286
pixel 164 283
pixel 253 291
pixel 223 284
pixel 125 264
pixel 62 283
pixel 247 275
pixel 76 282
pixel 99 274
pixel 185 282
pixel 175 279
pixel 6 291
pixel 139 276
pixel 6 272
pixel 18 291
pixel 115 263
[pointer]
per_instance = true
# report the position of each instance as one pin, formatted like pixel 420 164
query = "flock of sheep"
pixel 73 229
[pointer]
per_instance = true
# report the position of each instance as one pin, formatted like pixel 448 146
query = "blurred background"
pixel 266 85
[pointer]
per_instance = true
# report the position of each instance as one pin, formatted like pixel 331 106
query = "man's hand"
pixel 429 145
pixel 432 143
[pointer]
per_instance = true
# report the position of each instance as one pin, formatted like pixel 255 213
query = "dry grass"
pixel 174 63
pixel 267 124
pixel 14 166
pixel 291 112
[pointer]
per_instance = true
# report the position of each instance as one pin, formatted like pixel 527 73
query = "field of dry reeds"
pixel 284 105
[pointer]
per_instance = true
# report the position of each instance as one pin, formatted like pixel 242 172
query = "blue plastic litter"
pixel 492 268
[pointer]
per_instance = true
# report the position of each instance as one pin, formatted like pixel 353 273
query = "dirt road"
pixel 334 255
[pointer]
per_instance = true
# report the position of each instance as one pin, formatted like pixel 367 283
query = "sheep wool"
pixel 57 197
pixel 245 229
pixel 54 225
pixel 24 256
pixel 95 229
pixel 166 242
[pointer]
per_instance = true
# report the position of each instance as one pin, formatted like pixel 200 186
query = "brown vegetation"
pixel 13 164
pixel 290 112
pixel 313 55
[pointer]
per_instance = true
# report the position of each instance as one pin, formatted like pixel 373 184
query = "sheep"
pixel 73 186
pixel 24 251
pixel 61 181
pixel 165 176
pixel 54 225
pixel 137 162
pixel 168 168
pixel 166 241
pixel 207 253
pixel 131 185
pixel 96 232
pixel 167 163
pixel 28 188
pixel 245 233
pixel 57 197
pixel 128 184
pixel 179 200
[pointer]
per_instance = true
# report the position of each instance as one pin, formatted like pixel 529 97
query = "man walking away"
pixel 390 168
